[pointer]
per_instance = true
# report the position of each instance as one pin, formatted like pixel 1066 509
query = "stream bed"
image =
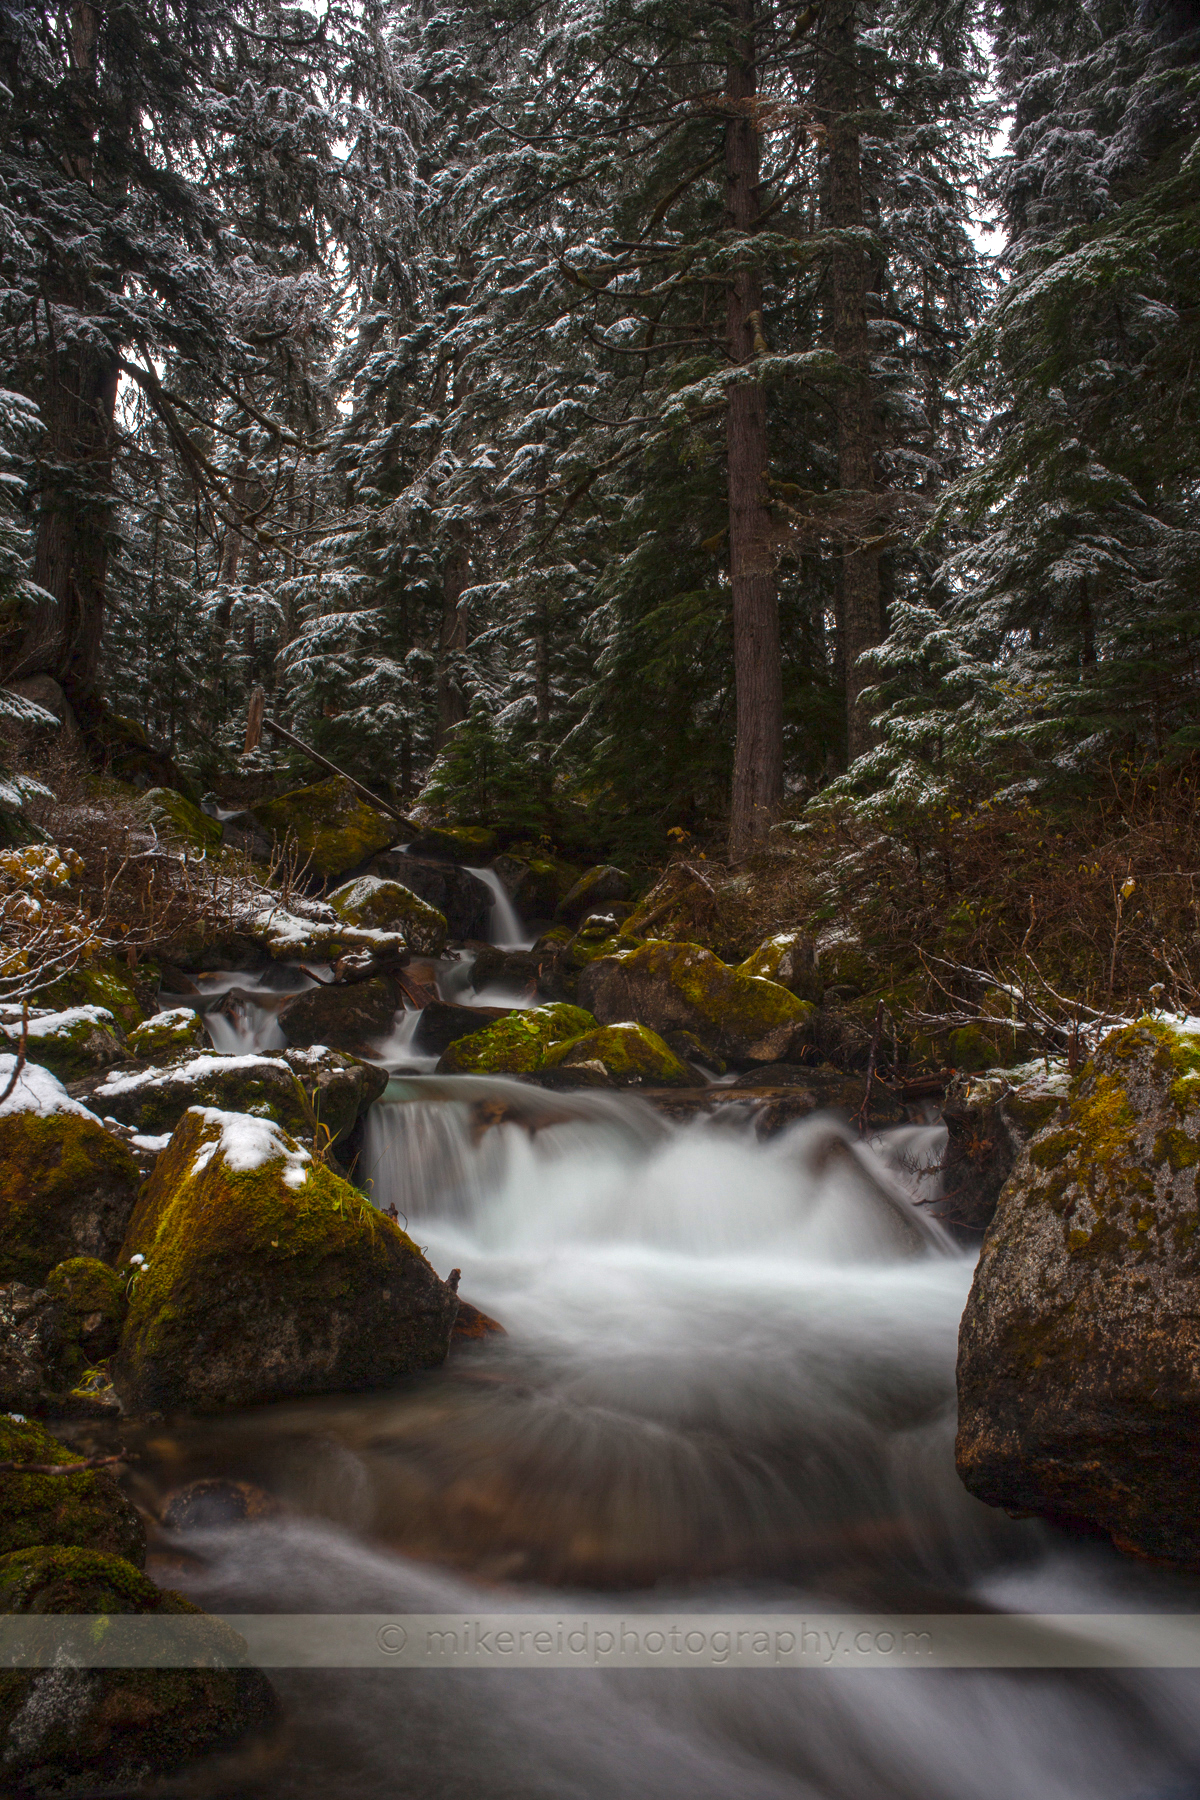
pixel 726 1385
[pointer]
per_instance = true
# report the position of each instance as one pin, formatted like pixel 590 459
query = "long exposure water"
pixel 727 1384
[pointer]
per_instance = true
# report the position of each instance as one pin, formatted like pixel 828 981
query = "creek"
pixel 727 1385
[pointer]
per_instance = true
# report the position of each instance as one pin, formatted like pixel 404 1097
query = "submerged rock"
pixel 1079 1354
pixel 167 1034
pixel 683 987
pixel 350 1016
pixel 68 1731
pixel 518 1044
pixel 215 1501
pixel 389 906
pixel 442 1024
pixel 630 1055
pixel 333 829
pixel 67 1186
pixel 85 1508
pixel 70 1044
pixel 267 1275
pixel 155 1099
pixel 462 899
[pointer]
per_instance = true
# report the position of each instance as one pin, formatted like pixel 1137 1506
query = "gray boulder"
pixel 462 899
pixel 347 1016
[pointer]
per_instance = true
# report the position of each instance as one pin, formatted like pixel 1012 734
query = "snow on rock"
pixel 247 1143
pixel 37 1091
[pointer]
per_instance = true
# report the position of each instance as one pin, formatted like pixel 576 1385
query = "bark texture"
pixel 758 677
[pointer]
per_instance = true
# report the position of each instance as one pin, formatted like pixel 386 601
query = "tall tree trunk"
pixel 839 99
pixel 78 402
pixel 451 706
pixel 758 676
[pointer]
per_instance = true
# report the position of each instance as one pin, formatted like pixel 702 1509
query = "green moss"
pixel 519 1044
pixel 71 1044
pixel 168 1035
pixel 973 1048
pixel 631 1054
pixel 103 984
pixel 93 1301
pixel 85 1508
pixel 333 829
pixel 175 817
pixel 156 1099
pixel 50 1169
pixel 722 1000
pixel 1175 1148
pixel 389 906
pixel 461 843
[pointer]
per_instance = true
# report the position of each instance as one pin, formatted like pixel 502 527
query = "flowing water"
pixel 727 1384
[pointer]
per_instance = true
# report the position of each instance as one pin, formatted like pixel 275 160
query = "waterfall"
pixel 505 928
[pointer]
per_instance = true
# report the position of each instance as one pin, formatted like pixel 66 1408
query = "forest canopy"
pixel 677 416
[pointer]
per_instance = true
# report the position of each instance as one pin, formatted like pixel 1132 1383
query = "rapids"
pixel 727 1384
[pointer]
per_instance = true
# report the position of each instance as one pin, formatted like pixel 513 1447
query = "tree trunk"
pixel 758 676
pixel 856 422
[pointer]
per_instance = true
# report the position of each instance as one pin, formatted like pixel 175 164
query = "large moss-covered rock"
pixel 463 900
pixel 632 1056
pixel 126 993
pixel 175 817
pixel 67 1187
pixel 470 844
pixel 155 1099
pixel 389 906
pixel 518 1044
pixel 683 987
pixel 340 1088
pixel 594 889
pixel 92 1299
pixel 442 1024
pixel 69 1731
pixel 85 1508
pixel 788 958
pixel 53 1337
pixel 1079 1355
pixel 167 1035
pixel 332 828
pixel 267 1275
pixel 70 1044
pixel 536 884
pixel 350 1017
pixel 989 1119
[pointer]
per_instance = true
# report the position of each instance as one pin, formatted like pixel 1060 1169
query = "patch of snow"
pixel 37 1091
pixel 58 1024
pixel 173 1016
pixel 195 1070
pixel 248 1143
pixel 150 1143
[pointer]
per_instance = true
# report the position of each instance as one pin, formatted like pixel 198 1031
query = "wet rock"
pixel 155 1099
pixel 207 1505
pixel 52 1337
pixel 70 1044
pixel 204 947
pixel 388 906
pixel 515 971
pixel 267 1275
pixel 473 1326
pixel 536 885
pixel 129 994
pixel 175 818
pixel 518 1044
pixel 352 1017
pixel 242 831
pixel 989 1120
pixel 630 1055
pixel 339 1087
pixel 691 1049
pixel 591 891
pixel 471 844
pixel 167 1035
pixel 788 958
pixel 85 1508
pixel 683 987
pixel 333 830
pixel 67 1186
pixel 463 900
pixel 442 1024
pixel 68 1731
pixel 1079 1353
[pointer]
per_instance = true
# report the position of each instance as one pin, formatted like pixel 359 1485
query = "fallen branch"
pixel 323 762
pixel 67 1468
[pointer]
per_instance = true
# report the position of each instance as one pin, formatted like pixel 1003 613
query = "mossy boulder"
pixel 350 1017
pixel 789 959
pixel 841 961
pixel 92 1302
pixel 469 844
pixel 86 1508
pixel 463 900
pixel 167 1035
pixel 340 1088
pixel 67 1188
pixel 591 892
pixel 126 993
pixel 69 1731
pixel 333 829
pixel 632 1056
pixel 70 1044
pixel 267 1275
pixel 989 1119
pixel 1079 1354
pixel 518 1044
pixel 155 1099
pixel 974 1048
pixel 536 884
pixel 318 935
pixel 175 817
pixel 389 906
pixel 683 987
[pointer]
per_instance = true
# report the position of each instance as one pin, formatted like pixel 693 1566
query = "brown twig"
pixel 67 1468
pixel 21 1049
